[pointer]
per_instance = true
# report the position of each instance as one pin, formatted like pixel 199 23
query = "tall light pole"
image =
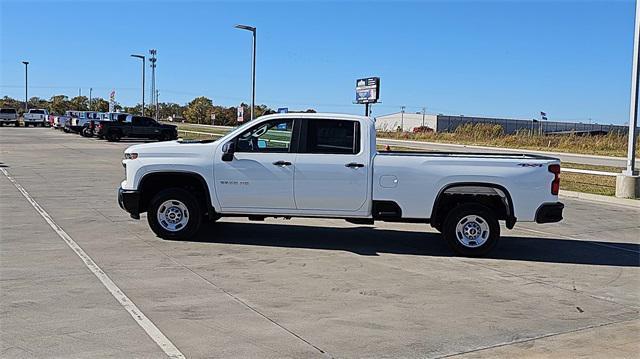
pixel 90 97
pixel 424 112
pixel 402 119
pixel 633 107
pixel 628 182
pixel 141 57
pixel 26 93
pixel 253 66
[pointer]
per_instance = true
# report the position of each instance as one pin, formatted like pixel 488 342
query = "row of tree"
pixel 199 110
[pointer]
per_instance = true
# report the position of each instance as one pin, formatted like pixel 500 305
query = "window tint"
pixel 137 121
pixel 272 136
pixel 332 136
pixel 40 112
pixel 8 110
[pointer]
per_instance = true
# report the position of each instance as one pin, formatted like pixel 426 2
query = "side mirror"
pixel 228 149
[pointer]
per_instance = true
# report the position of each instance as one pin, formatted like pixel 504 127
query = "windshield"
pixel 7 110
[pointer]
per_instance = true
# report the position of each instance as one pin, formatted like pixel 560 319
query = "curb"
pixel 599 198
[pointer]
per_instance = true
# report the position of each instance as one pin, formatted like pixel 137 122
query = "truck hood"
pixel 173 149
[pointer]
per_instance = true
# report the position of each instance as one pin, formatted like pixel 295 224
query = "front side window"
pixel 332 137
pixel 272 136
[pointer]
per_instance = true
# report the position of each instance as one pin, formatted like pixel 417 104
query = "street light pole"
pixel 253 67
pixel 402 120
pixel 90 97
pixel 141 57
pixel 26 93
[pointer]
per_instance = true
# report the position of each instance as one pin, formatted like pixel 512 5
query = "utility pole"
pixel 628 183
pixel 153 53
pixel 90 97
pixel 424 112
pixel 402 119
pixel 157 105
pixel 26 92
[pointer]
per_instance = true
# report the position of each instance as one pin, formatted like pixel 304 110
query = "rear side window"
pixel 332 136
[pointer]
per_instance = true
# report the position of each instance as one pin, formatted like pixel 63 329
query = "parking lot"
pixel 294 288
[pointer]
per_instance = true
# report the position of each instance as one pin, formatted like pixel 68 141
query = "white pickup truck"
pixel 327 165
pixel 9 116
pixel 36 117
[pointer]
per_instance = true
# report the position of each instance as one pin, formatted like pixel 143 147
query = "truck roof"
pixel 323 115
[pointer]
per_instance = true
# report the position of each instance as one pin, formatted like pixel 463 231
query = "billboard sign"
pixel 368 90
pixel 240 114
pixel 283 110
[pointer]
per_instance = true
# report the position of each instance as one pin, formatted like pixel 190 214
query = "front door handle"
pixel 354 165
pixel 282 163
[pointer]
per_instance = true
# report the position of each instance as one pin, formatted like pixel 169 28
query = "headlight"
pixel 130 156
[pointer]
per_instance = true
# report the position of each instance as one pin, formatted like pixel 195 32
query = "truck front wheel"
pixel 471 230
pixel 175 214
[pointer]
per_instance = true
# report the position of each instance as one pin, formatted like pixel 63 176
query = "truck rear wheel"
pixel 471 230
pixel 174 214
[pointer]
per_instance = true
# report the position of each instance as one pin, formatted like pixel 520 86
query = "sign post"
pixel 367 92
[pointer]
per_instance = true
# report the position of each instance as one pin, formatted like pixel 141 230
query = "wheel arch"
pixel 153 182
pixel 438 213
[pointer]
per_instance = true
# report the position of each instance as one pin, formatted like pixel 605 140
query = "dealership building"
pixel 447 123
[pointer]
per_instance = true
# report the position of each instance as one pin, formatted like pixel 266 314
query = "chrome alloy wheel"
pixel 472 231
pixel 173 215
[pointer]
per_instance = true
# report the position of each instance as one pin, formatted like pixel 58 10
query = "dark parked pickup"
pixel 135 127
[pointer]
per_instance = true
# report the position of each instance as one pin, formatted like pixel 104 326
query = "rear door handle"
pixel 354 165
pixel 282 163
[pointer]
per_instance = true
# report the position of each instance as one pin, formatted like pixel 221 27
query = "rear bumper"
pixel 129 200
pixel 549 212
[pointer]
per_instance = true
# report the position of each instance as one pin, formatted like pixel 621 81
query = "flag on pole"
pixel 543 113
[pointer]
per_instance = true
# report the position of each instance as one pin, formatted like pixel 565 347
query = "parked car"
pixel 338 174
pixel 137 127
pixel 9 116
pixel 36 117
pixel 84 124
pixel 96 127
pixel 64 122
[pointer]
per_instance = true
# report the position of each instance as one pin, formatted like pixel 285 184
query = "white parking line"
pixel 156 335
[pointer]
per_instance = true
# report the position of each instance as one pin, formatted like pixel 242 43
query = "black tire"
pixel 113 137
pixel 17 124
pixel 26 124
pixel 180 198
pixel 1 123
pixel 480 230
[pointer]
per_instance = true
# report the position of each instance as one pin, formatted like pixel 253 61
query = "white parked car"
pixel 327 165
pixel 36 117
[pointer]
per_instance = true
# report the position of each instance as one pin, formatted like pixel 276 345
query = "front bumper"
pixel 549 212
pixel 129 200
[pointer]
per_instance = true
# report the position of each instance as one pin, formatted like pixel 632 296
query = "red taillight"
pixel 555 185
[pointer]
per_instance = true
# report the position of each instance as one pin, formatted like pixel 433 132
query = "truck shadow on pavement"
pixel 371 241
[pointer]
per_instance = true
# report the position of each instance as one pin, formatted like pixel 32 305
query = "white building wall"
pixel 392 121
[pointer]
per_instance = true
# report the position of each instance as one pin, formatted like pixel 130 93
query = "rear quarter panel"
pixel 421 178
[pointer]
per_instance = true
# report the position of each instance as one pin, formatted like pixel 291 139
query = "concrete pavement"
pixel 298 288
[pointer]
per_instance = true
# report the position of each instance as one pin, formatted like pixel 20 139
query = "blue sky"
pixel 499 58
